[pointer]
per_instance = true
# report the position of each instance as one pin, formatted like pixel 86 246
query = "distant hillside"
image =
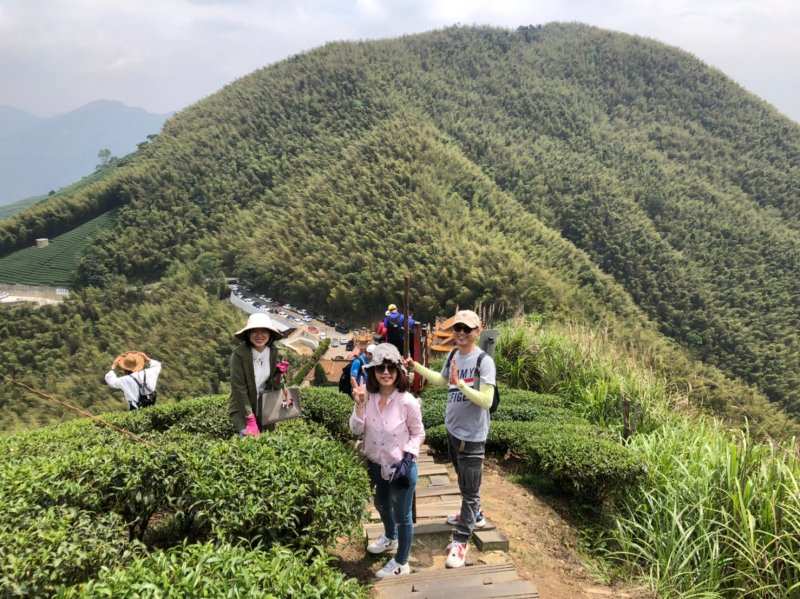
pixel 8 210
pixel 563 170
pixel 38 155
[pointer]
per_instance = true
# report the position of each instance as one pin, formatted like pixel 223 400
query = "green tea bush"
pixel 211 571
pixel 207 416
pixel 580 457
pixel 294 487
pixel 44 548
pixel 332 409
pixel 115 475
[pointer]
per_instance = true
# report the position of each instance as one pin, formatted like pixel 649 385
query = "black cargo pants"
pixel 467 459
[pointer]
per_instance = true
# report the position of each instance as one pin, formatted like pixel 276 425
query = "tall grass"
pixel 595 376
pixel 718 515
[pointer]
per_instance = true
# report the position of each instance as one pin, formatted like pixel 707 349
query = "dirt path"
pixel 542 545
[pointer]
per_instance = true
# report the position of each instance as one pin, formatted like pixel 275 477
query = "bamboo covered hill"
pixel 561 170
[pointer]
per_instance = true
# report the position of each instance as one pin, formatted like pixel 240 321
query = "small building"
pixel 42 242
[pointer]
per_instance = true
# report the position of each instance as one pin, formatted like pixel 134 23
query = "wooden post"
pixel 406 340
pixel 626 417
pixel 406 345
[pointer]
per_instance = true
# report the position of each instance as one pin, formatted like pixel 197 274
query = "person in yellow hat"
pixel 393 325
pixel 139 379
pixel 469 374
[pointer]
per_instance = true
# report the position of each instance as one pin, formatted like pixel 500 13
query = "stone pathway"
pixel 489 572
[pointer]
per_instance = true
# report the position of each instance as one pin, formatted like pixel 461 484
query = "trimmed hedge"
pixel 295 486
pixel 207 570
pixel 582 458
pixel 42 549
pixel 332 409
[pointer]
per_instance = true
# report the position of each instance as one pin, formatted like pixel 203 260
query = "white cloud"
pixel 165 54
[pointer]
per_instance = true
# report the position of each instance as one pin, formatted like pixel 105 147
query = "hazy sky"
pixel 162 55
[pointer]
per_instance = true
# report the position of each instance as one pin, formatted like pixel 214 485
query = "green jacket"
pixel 244 395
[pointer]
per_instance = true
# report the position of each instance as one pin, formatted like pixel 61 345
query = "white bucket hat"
pixel 385 352
pixel 259 320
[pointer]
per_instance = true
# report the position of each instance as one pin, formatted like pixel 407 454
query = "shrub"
pixel 101 472
pixel 42 549
pixel 294 486
pixel 580 457
pixel 332 409
pixel 207 416
pixel 206 570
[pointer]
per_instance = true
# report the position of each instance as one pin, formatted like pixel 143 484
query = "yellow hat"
pixel 467 317
pixel 392 308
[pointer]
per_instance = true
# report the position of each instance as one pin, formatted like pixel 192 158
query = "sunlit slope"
pixel 671 178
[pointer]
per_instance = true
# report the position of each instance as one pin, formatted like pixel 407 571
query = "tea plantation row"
pixel 56 264
pixel 546 438
pixel 84 503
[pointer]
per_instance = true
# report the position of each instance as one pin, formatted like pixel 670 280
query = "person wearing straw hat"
pixel 138 383
pixel 254 369
pixel 469 374
pixel 390 420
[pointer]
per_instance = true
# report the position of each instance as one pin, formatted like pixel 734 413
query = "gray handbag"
pixel 282 404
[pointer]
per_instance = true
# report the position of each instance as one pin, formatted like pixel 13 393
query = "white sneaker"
pixel 382 545
pixel 454 519
pixel 457 555
pixel 392 568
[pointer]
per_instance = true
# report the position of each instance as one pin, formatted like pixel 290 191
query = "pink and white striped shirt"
pixel 391 431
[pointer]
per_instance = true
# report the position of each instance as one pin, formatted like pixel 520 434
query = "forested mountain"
pixel 561 169
pixel 38 155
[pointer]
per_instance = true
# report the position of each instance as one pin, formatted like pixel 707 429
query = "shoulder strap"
pixel 476 384
pixel 450 357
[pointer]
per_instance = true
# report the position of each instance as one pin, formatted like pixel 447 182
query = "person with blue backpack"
pixel 358 374
pixel 470 376
pixel 393 324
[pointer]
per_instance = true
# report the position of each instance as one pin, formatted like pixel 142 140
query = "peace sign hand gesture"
pixel 359 395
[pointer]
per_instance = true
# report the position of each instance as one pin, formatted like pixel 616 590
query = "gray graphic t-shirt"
pixel 463 419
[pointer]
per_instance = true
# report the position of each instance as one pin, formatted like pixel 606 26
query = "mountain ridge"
pixel 43 154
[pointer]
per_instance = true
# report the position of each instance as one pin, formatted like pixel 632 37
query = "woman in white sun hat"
pixel 255 368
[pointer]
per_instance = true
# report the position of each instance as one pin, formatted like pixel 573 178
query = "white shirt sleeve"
pixel 112 380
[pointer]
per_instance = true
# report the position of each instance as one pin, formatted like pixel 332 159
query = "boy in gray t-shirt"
pixel 469 397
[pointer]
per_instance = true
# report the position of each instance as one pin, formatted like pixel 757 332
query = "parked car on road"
pixel 342 329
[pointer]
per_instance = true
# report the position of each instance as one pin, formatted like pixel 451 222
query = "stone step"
pixel 490 539
pixel 472 582
pixel 431 469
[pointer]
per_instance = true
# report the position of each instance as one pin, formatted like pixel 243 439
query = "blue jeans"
pixel 393 503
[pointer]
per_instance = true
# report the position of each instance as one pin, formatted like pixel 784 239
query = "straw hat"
pixel 259 320
pixel 133 361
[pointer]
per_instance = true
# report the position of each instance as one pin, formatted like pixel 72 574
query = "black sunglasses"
pixel 460 327
pixel 386 367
